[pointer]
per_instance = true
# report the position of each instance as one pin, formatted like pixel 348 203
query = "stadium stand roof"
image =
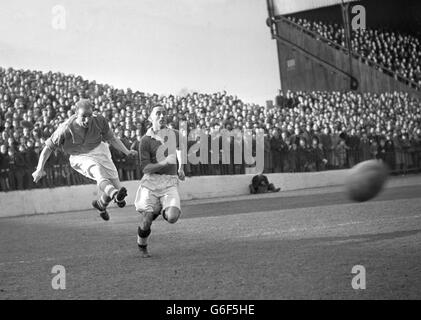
pixel 282 7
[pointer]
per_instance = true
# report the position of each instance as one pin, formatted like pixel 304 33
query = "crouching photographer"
pixel 260 184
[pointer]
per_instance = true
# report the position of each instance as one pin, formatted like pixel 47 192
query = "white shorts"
pixel 150 197
pixel 96 164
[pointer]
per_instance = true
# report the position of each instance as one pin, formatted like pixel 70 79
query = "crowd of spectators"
pixel 394 50
pixel 349 127
pixel 304 131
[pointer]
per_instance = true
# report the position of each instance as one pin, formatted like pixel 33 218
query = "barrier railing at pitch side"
pixel 400 161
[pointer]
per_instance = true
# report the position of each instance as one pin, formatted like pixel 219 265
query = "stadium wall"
pixel 76 198
pixel 299 71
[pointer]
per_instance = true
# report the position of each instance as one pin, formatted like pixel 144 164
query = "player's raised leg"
pixel 106 180
pixel 170 201
pixel 171 214
pixel 109 192
pixel 122 193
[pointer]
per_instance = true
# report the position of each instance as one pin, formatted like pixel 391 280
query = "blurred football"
pixel 365 180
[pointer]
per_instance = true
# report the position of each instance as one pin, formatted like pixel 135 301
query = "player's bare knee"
pixel 172 214
pixel 103 183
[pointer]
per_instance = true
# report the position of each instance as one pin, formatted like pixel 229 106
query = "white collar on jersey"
pixel 151 133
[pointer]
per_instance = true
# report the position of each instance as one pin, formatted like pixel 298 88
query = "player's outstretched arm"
pixel 39 172
pixel 181 173
pixel 116 143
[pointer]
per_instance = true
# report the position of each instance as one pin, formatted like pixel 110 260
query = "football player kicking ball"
pixel 158 190
pixel 82 137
